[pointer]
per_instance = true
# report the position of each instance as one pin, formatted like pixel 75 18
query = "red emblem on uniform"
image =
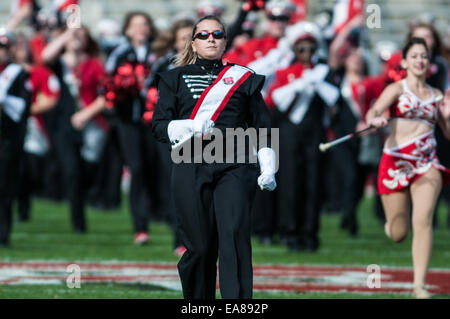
pixel 228 80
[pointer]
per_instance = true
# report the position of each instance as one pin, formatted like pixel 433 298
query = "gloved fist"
pixel 267 182
pixel 202 127
pixel 267 163
pixel 181 130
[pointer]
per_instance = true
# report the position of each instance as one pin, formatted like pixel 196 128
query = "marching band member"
pixel 409 170
pixel 45 94
pixel 181 33
pixel 209 7
pixel 15 104
pixel 264 55
pixel 22 11
pixel 127 67
pixel 213 201
pixel 300 93
pixel 76 142
pixel 354 161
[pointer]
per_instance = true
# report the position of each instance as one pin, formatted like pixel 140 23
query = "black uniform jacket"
pixel 13 131
pixel 180 88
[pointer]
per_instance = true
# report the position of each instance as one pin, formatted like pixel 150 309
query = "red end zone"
pixel 275 278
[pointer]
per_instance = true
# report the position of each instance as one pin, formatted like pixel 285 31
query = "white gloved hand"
pixel 182 130
pixel 267 163
pixel 202 127
pixel 283 45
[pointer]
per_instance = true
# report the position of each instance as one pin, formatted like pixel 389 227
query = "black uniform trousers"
pixel 352 176
pixel 213 204
pixel 300 178
pixel 265 212
pixel 66 145
pixel 105 191
pixel 159 177
pixel 163 191
pixel 264 217
pixel 10 153
pixel 138 151
pixel 30 181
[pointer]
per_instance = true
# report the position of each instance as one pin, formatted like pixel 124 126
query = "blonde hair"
pixel 188 56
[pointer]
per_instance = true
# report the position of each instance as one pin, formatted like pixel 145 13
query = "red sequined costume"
pixel 402 165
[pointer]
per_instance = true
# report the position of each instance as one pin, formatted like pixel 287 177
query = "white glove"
pixel 283 45
pixel 182 130
pixel 202 127
pixel 267 163
pixel 275 59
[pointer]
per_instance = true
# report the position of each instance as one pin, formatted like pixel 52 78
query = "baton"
pixel 323 147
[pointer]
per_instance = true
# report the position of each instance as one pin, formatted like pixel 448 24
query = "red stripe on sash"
pixel 229 94
pixel 202 97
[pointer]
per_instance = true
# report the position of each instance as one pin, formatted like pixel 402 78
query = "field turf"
pixel 47 236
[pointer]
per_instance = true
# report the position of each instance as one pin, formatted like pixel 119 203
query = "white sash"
pixel 13 106
pixel 216 96
pixel 36 142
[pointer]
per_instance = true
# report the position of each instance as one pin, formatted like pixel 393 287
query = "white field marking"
pixel 407 267
pixel 324 251
pixel 280 292
pixel 54 273
pixel 266 277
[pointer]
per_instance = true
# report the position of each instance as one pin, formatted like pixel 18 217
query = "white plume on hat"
pixel 279 8
pixel 107 27
pixel 6 36
pixel 207 7
pixel 385 49
pixel 303 29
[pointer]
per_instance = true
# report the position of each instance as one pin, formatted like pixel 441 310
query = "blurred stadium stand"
pixel 394 14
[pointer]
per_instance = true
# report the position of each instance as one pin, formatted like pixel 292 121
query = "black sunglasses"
pixel 301 49
pixel 203 35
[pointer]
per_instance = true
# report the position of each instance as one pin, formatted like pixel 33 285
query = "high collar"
pixel 209 64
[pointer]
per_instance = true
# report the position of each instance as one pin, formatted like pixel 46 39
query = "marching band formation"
pixel 79 112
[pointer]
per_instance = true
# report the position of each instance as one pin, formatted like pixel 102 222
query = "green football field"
pixel 47 237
